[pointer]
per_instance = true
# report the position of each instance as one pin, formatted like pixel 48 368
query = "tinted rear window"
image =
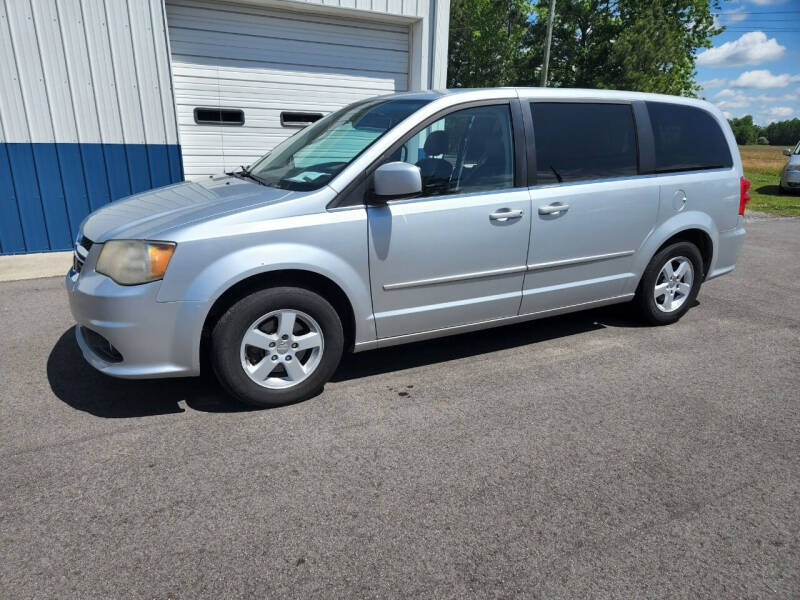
pixel 579 141
pixel 687 138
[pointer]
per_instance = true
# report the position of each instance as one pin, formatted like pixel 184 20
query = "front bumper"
pixel 148 338
pixel 790 180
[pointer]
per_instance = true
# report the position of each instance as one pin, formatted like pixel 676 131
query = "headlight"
pixel 131 262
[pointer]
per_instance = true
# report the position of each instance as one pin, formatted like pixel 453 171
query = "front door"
pixel 591 210
pixel 455 255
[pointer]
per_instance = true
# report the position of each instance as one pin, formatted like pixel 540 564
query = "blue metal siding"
pixel 46 190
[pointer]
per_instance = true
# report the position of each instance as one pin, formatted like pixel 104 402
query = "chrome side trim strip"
pixel 577 261
pixel 456 329
pixel 453 278
pixel 505 271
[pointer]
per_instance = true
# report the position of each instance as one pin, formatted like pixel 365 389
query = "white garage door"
pixel 266 62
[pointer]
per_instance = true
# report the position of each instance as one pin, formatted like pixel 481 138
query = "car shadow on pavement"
pixel 82 387
pixel 397 358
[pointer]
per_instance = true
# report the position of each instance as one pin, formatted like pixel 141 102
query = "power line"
pixel 768 12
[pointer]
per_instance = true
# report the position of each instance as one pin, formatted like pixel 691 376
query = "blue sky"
pixel 754 66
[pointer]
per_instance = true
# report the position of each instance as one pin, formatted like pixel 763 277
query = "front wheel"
pixel 670 283
pixel 277 346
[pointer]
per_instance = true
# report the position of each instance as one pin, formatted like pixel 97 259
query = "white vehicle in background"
pixel 790 176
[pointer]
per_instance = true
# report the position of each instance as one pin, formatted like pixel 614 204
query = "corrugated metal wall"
pixel 86 113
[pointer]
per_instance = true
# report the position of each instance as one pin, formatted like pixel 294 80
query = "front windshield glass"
pixel 311 158
pixel 797 148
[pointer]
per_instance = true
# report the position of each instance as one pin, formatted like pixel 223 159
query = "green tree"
pixel 744 130
pixel 783 133
pixel 486 42
pixel 642 45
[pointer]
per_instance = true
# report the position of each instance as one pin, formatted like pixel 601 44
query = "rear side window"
pixel 687 139
pixel 580 141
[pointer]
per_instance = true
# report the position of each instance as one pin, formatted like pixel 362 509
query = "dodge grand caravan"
pixel 408 217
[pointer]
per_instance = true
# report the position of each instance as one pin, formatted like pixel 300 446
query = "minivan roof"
pixel 550 92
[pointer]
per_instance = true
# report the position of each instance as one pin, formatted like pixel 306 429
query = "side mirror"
pixel 787 152
pixel 397 180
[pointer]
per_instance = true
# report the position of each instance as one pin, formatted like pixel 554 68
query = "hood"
pixel 151 213
pixel 794 161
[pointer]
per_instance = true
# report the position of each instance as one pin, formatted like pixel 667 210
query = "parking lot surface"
pixel 577 456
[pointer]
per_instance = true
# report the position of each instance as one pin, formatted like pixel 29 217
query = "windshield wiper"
pixel 245 173
pixel 558 177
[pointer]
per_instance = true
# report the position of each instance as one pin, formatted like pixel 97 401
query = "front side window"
pixel 470 150
pixel 687 138
pixel 315 155
pixel 580 141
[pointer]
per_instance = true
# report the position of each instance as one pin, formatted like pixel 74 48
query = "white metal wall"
pixel 86 113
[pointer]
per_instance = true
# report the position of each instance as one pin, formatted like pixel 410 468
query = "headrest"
pixel 436 143
pixel 483 138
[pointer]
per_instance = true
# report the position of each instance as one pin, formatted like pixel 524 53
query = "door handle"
pixel 504 214
pixel 555 207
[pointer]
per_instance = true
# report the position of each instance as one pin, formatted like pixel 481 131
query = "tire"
pixel 285 363
pixel 664 309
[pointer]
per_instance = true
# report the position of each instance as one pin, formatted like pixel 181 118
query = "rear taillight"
pixel 744 197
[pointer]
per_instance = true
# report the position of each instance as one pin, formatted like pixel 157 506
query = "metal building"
pixel 100 99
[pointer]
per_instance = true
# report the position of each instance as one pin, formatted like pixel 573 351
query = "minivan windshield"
pixel 312 157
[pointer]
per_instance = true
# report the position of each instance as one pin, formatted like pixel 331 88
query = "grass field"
pixel 762 166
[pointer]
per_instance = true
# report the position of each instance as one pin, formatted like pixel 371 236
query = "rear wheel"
pixel 670 283
pixel 277 346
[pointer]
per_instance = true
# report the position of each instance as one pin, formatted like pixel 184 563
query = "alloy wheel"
pixel 674 284
pixel 282 348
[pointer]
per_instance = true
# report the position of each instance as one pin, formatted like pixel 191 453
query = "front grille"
pixel 82 247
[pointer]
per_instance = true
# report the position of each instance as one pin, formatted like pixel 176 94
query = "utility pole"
pixel 550 14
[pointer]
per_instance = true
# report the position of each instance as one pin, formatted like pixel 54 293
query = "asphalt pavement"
pixel 577 456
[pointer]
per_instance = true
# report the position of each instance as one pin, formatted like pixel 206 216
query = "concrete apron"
pixel 33 266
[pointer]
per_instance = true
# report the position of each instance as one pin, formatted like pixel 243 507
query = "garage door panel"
pixel 289 29
pixel 249 12
pixel 261 74
pixel 265 61
pixel 238 92
pixel 286 54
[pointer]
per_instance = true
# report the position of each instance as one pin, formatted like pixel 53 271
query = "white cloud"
pixel 763 79
pixel 781 112
pixel 752 48
pixel 727 99
pixel 738 103
pixel 713 83
pixel 790 97
pixel 767 2
pixel 736 15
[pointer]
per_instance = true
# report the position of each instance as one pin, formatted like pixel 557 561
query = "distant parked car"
pixel 790 176
pixel 409 217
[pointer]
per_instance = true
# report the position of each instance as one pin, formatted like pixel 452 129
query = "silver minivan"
pixel 790 174
pixel 408 217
